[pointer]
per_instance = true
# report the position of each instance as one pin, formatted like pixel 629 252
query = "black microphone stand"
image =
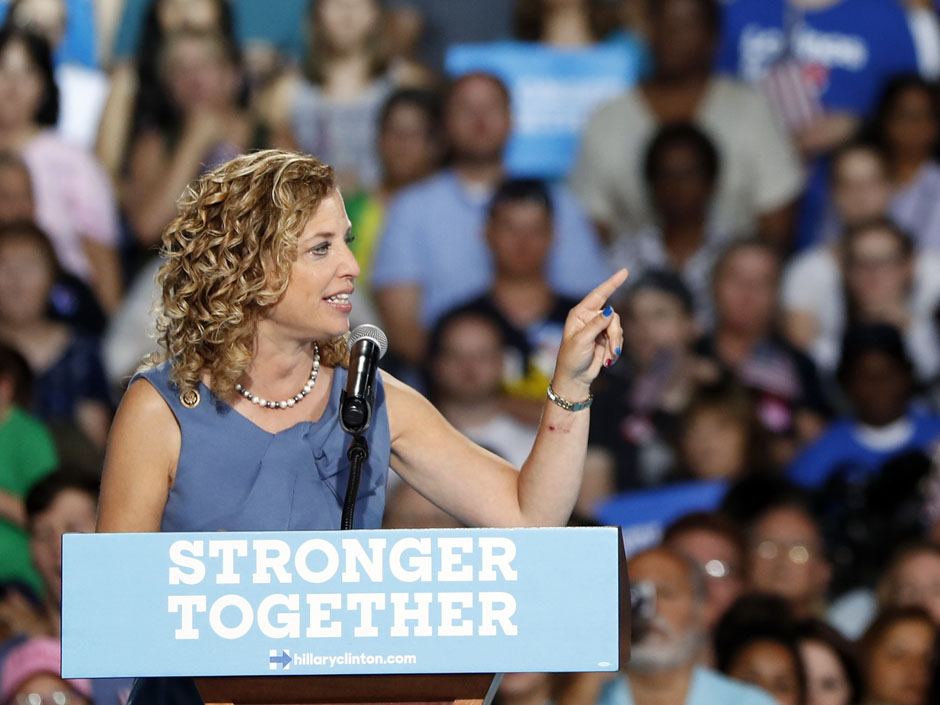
pixel 357 454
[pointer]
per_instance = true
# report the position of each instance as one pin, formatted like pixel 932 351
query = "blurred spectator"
pixel 60 503
pixel 833 674
pixel 333 111
pixel 423 29
pixel 557 75
pixel 786 558
pixel 877 376
pixel 720 436
pixel 760 176
pixel 896 651
pixel 821 63
pixel 790 399
pixel 27 454
pixel 681 171
pixel 637 402
pixel 717 545
pixel 73 198
pixel 875 276
pixel 906 126
pixel 136 98
pixel 465 363
pixel 72 300
pixel 755 642
pixel 410 148
pixel 259 29
pixel 913 578
pixel 432 254
pixel 83 89
pixel 667 641
pixel 30 674
pixel 70 386
pixel 201 75
pixel 520 299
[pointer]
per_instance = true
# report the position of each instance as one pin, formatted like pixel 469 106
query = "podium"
pixel 398 616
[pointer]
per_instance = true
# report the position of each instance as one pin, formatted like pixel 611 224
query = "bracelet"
pixel 569 405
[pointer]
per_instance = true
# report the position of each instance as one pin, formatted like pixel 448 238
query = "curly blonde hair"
pixel 227 257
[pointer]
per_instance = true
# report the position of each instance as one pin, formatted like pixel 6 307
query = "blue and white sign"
pixel 553 93
pixel 434 601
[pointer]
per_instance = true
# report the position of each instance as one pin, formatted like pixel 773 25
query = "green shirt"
pixel 27 454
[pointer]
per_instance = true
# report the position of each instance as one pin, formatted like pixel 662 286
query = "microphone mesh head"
pixel 373 333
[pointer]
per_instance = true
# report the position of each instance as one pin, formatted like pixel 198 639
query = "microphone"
pixel 367 345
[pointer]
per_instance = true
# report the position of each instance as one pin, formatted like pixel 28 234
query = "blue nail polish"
pixel 617 351
pixel 608 311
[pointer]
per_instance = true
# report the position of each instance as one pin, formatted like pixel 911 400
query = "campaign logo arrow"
pixel 284 659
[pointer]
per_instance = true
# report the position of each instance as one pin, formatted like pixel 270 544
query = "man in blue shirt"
pixel 667 641
pixel 433 253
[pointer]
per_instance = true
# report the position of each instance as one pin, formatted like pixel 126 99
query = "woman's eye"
pixel 320 249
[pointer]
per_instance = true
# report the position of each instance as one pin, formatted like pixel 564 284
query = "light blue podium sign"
pixel 356 602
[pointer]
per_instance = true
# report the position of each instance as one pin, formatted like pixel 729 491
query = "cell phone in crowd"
pixel 642 608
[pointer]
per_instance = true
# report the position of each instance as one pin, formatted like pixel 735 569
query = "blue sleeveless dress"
pixel 233 475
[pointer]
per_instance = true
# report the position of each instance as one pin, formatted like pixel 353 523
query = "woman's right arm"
pixel 143 449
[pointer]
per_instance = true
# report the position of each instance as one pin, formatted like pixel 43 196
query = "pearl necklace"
pixel 287 403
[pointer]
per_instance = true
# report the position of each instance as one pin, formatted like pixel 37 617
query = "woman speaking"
pixel 235 425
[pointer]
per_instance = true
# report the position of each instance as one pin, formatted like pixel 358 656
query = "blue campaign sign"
pixel 643 515
pixel 553 93
pixel 355 602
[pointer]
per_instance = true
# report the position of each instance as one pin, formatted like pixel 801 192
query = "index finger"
pixel 596 299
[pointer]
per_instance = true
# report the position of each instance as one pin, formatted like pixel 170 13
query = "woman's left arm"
pixel 481 489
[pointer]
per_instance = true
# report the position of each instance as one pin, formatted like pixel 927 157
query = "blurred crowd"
pixel 768 171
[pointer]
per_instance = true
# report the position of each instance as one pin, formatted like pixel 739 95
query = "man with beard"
pixel 668 638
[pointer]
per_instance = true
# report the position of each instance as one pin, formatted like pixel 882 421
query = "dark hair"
pixel 740 245
pixel 458 81
pixel 521 190
pixel 818 631
pixel 663 281
pixel 317 52
pixel 28 231
pixel 872 337
pixel 757 617
pixel 528 19
pixel 14 366
pixel 428 102
pixel 891 93
pixel 44 492
pixel 40 55
pixel 711 522
pixel 152 107
pixel 853 232
pixel 885 621
pixel 451 318
pixel 731 397
pixel 859 144
pixel 440 330
pixel 683 134
pixel 710 8
pixel 751 497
